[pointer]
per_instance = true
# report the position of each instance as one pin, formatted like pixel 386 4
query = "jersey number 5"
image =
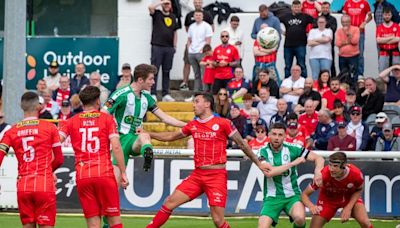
pixel 88 139
pixel 29 151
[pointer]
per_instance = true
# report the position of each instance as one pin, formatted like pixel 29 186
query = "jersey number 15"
pixel 89 138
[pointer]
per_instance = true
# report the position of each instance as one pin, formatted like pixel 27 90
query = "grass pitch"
pixel 67 221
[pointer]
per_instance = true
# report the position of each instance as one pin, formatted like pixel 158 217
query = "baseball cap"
pixel 292 125
pixel 360 79
pixel 65 103
pixel 53 64
pixel 355 109
pixel 381 117
pixel 342 124
pixel 387 126
pixel 235 106
pixel 126 66
pixel 350 92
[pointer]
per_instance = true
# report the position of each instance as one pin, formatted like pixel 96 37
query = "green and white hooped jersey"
pixel 128 109
pixel 284 185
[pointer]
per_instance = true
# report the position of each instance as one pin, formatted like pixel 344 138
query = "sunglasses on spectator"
pixel 260 131
pixel 222 94
pixel 380 117
pixel 355 114
pixel 223 36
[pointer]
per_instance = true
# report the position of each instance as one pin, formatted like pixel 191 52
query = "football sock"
pixel 117 226
pixel 225 225
pixel 144 147
pixel 160 218
pixel 105 222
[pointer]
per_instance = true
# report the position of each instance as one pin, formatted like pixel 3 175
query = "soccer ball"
pixel 268 38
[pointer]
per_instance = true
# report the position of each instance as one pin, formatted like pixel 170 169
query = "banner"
pixel 148 190
pixel 98 54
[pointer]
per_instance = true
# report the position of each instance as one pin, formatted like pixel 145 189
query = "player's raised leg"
pixel 298 215
pixel 143 146
pixel 359 213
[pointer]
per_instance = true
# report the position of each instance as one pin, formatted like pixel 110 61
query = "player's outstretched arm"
pixel 165 118
pixel 278 170
pixel 319 165
pixel 346 212
pixel 119 157
pixel 237 138
pixel 167 136
pixel 307 202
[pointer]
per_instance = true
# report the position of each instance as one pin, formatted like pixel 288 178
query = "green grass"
pixel 64 221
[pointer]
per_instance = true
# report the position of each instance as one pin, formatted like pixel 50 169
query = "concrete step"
pixel 183 116
pixel 159 127
pixel 174 144
pixel 178 95
pixel 175 106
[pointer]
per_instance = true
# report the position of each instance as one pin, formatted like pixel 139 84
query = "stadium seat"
pixel 391 110
pixel 396 121
pixel 371 121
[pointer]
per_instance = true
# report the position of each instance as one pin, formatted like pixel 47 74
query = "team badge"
pixel 285 157
pixel 168 21
pixel 394 29
pixel 215 127
pixel 350 185
pixel 228 51
pixel 362 6
pixel 144 106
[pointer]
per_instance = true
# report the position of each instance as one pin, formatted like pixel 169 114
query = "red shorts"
pixel 330 208
pixel 212 181
pixel 98 196
pixel 37 207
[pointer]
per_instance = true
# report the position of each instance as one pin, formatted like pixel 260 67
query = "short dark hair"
pixel 207 47
pixel 335 79
pixel 338 103
pixel 278 125
pixel 29 101
pixel 387 10
pixel 89 95
pixel 263 71
pixel 143 70
pixel 326 3
pixel 296 2
pixel 338 157
pixel 262 7
pixel 292 116
pixel 235 18
pixel 198 11
pixel 208 97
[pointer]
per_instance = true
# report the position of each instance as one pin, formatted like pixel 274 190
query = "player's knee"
pixel 364 223
pixel 144 137
pixel 299 220
pixel 218 221
pixel 170 203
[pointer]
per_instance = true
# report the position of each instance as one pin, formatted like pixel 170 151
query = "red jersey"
pixel 302 131
pixel 208 76
pixel 357 11
pixel 90 134
pixel 309 121
pixel 339 191
pixel 299 139
pixel 383 31
pixel 227 53
pixel 310 9
pixel 330 98
pixel 265 58
pixel 255 144
pixel 396 131
pixel 33 141
pixel 320 90
pixel 210 138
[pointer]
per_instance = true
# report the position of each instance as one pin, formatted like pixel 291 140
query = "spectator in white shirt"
pixel 292 87
pixel 235 35
pixel 267 105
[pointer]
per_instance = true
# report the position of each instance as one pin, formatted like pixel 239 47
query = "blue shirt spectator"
pixel 266 17
pixel 326 128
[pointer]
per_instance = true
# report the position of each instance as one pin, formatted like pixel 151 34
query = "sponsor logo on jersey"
pixel 89 115
pixel 136 121
pixel 25 123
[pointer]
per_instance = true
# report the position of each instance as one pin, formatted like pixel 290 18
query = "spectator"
pixel 65 110
pixel 247 105
pixel 392 84
pixel 376 131
pixel 3 125
pixel 49 104
pixel 199 34
pixel 264 80
pixel 44 113
pixel 326 128
pixel 357 128
pixel 207 63
pixel 379 5
pixel 53 78
pixel 296 24
pixel 309 93
pixel 350 100
pixel 311 7
pixel 225 58
pixel 321 85
pixel 252 122
pixel 301 130
pixel 309 119
pixel 222 104
pixel 64 92
pixel 41 86
pixel 347 40
pixel 293 135
pixel 76 104
pixel 370 99
pixel 265 59
pixel 388 37
pixel 235 34
pixel 189 20
pixel 238 86
pixel 267 105
pixel 126 78
pixel 334 93
pixel 319 40
pixel 292 87
pixel 237 119
pixel 360 15
pixel 388 142
pixel 79 80
pixel 267 18
pixel 342 141
pixel 94 80
pixel 332 24
pixel 280 116
pixel 163 44
pixel 261 138
pixel 338 112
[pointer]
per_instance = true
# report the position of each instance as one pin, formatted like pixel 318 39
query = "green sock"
pixel 105 222
pixel 144 147
pixel 296 226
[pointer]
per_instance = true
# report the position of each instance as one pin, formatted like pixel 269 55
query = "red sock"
pixel 370 226
pixel 117 226
pixel 225 225
pixel 160 218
